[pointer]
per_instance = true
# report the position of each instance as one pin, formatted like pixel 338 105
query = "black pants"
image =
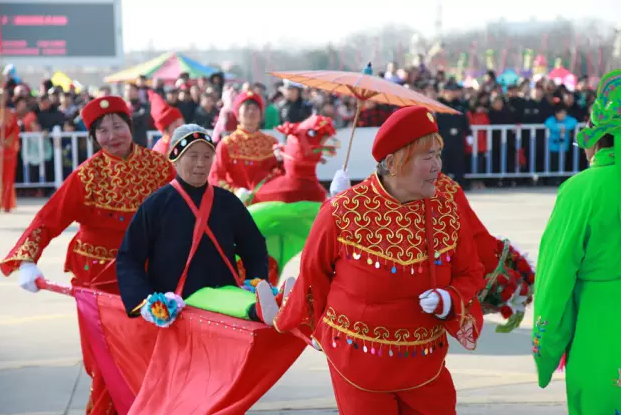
pixel 454 163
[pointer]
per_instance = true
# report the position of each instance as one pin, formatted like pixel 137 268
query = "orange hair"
pixel 419 146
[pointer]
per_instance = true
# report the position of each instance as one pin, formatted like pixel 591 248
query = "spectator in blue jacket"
pixel 561 127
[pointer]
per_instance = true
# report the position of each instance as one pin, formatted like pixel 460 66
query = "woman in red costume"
pixel 509 275
pixel 9 151
pixel 102 195
pixel 245 158
pixel 166 119
pixel 307 143
pixel 389 269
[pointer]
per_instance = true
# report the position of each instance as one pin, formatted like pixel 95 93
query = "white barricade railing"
pixel 48 160
pixel 539 157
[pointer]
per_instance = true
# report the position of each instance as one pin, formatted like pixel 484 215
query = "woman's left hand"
pixel 436 301
pixel 316 345
pixel 340 183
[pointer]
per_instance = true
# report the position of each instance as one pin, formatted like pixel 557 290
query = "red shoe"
pixel 267 308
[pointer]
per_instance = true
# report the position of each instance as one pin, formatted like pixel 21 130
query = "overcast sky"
pixel 177 23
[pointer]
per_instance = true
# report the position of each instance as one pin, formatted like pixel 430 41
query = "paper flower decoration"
pixel 163 309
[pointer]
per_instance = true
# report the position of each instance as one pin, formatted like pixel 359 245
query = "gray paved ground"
pixel 40 364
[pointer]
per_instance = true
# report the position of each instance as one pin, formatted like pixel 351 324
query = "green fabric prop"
pixel 229 300
pixel 578 282
pixel 285 227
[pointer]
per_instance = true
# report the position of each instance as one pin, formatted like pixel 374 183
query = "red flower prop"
pixel 510 287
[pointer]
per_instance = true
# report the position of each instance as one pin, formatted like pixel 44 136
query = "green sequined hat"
pixel 606 111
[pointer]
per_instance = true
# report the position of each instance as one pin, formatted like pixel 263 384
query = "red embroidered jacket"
pixel 486 244
pixel 362 270
pixel 244 160
pixel 102 195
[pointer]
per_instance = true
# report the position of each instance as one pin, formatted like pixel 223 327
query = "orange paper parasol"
pixel 364 87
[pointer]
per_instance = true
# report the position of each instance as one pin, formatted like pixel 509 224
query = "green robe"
pixel 578 290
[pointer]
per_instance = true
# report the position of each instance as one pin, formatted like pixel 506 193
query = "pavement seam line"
pixel 41 363
pixel 74 389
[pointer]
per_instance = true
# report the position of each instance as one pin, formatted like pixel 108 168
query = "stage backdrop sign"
pixel 61 32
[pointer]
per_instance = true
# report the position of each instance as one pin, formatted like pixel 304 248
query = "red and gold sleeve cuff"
pixel 458 307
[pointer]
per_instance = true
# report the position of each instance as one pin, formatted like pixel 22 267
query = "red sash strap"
pixel 430 250
pixel 200 227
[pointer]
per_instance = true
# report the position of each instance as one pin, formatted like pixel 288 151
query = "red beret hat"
pixel 163 114
pixel 102 106
pixel 247 96
pixel 403 127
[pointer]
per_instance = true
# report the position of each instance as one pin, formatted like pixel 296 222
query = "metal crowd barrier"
pixel 48 160
pixel 537 137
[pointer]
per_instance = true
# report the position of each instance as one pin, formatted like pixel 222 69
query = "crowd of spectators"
pixel 207 101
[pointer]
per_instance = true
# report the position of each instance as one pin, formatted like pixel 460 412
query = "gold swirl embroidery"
pixel 96 252
pixel 29 250
pixel 252 147
pixel 381 333
pixel 122 185
pixel 447 186
pixel 361 329
pixel 343 321
pixel 384 228
pixel 400 337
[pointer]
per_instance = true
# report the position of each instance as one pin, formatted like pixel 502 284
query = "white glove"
pixel 470 140
pixel 28 273
pixel 243 194
pixel 316 345
pixel 340 183
pixel 430 299
pixel 278 153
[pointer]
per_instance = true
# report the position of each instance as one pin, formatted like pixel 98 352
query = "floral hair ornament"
pixel 162 309
pixel 605 116
pixel 606 112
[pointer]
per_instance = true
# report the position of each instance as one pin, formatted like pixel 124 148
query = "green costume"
pixel 578 284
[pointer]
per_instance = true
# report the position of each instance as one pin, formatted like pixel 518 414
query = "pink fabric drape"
pixel 205 363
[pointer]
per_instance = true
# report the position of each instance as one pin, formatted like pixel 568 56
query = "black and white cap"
pixel 184 136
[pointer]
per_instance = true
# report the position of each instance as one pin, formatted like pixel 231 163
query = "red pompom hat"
pixel 163 114
pixel 247 96
pixel 403 127
pixel 99 107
